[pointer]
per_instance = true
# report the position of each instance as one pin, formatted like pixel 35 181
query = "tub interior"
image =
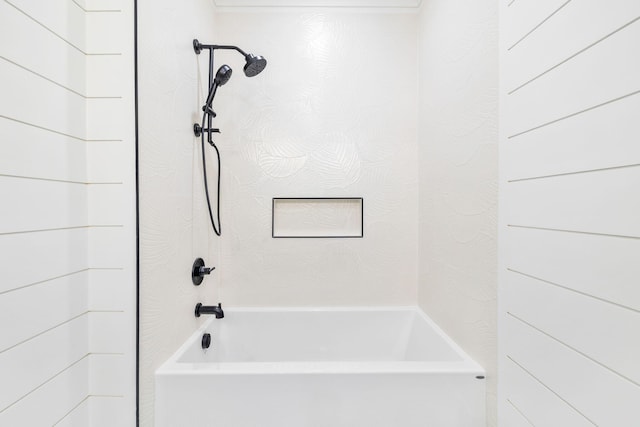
pixel 320 335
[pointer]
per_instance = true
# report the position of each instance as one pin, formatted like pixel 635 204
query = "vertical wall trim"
pixel 135 102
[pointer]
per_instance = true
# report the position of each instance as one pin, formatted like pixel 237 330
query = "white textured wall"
pixel 570 236
pixel 458 137
pixel 67 233
pixel 173 219
pixel 333 114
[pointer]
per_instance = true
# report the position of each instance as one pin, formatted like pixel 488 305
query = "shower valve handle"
pixel 205 270
pixel 198 271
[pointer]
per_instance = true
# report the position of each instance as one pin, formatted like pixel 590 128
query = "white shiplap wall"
pixel 569 316
pixel 67 213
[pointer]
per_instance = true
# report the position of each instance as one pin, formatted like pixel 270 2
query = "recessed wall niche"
pixel 317 217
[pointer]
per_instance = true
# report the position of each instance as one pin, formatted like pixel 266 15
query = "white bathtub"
pixel 353 367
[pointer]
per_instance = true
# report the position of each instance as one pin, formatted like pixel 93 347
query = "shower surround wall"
pixel 569 232
pixel 174 228
pixel 67 216
pixel 458 141
pixel 333 114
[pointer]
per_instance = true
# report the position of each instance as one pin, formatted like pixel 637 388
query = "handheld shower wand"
pixel 222 76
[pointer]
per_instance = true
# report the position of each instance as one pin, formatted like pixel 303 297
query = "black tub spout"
pixel 209 309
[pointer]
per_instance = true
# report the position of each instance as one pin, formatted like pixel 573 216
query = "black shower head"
pixel 223 75
pixel 254 65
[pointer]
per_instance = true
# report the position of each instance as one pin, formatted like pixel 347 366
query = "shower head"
pixel 254 65
pixel 223 75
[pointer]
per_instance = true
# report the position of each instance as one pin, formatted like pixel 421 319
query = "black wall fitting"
pixel 197 130
pixel 209 309
pixel 254 64
pixel 206 341
pixel 199 270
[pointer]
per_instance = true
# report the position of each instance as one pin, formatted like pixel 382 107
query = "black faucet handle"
pixel 198 271
pixel 206 270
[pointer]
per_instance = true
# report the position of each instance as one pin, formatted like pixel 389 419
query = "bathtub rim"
pixel 465 366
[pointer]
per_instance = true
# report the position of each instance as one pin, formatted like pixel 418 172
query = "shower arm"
pixel 198 47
